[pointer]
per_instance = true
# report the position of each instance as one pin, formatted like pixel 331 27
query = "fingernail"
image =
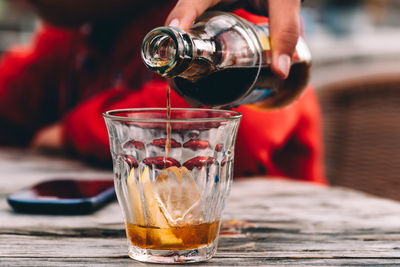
pixel 284 64
pixel 174 23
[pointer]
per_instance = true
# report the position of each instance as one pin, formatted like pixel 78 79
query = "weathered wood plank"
pixel 279 223
pixel 274 245
pixel 216 261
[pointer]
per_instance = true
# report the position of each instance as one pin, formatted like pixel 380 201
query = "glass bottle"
pixel 224 60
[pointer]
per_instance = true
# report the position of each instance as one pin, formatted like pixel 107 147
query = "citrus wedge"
pixel 136 200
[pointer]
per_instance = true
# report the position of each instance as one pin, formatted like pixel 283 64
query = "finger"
pixel 186 11
pixel 284 30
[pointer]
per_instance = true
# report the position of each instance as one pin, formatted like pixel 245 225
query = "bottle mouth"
pixel 159 51
pixel 163 50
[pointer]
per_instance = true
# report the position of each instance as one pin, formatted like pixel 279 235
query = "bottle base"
pixel 172 256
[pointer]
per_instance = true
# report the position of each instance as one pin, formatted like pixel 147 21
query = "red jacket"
pixel 73 76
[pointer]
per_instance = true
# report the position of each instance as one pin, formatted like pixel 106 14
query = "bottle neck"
pixel 167 51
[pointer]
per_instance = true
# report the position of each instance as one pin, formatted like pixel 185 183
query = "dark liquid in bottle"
pixel 225 87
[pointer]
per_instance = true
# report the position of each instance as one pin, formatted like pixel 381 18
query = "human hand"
pixel 283 20
pixel 48 138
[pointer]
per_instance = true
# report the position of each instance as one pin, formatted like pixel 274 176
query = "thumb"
pixel 186 11
pixel 284 30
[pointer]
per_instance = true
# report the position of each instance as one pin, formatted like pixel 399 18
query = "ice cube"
pixel 179 196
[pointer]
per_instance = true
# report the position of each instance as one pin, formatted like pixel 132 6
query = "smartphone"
pixel 64 196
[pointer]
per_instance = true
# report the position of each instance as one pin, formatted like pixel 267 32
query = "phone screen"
pixel 63 196
pixel 71 188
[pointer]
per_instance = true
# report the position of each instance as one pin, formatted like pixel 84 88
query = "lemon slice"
pixel 136 200
pixel 154 214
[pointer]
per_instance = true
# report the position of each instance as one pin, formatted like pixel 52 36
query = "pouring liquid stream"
pixel 168 126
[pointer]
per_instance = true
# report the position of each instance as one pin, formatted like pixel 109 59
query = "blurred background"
pixel 356 73
pixel 17 22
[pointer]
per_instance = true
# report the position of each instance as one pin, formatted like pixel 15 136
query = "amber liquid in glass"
pixel 184 237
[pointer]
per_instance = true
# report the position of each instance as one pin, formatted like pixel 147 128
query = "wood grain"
pixel 272 222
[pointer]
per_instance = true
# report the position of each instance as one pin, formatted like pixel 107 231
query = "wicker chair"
pixel 362 134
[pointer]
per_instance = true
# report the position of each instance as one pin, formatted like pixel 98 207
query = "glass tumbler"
pixel 172 177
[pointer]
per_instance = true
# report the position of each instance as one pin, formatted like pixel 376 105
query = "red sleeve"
pixel 285 142
pixel 28 77
pixel 84 128
pixel 257 19
pixel 302 155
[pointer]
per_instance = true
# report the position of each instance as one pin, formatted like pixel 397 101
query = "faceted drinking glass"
pixel 172 177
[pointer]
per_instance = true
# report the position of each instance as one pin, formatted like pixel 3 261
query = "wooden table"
pixel 270 222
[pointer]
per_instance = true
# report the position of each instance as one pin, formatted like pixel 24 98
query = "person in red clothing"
pixel 86 60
